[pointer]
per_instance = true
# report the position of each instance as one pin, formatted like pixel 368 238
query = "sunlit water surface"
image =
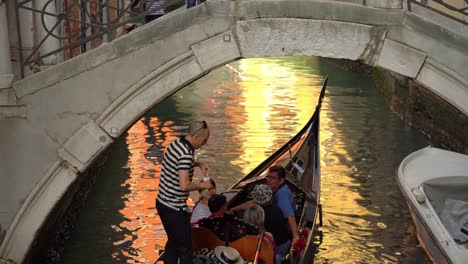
pixel 253 107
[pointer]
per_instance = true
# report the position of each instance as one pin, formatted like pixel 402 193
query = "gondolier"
pixel 283 198
pixel 174 187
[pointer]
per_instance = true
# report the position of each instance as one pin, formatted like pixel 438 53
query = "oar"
pixel 259 246
pixel 160 256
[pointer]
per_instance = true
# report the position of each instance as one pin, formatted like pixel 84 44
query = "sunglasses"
pixel 204 126
pixel 270 177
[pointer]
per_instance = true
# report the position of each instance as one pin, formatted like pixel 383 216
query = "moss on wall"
pixel 383 83
pixel 48 245
pixel 442 122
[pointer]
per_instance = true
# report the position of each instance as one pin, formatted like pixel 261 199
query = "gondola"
pixel 300 157
pixel 434 183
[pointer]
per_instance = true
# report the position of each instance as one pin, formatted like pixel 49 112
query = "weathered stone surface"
pixel 26 155
pixel 302 37
pixel 148 92
pixel 425 110
pixel 7 97
pixel 65 70
pixel 216 50
pixel 385 4
pixel 35 210
pixel 162 28
pixel 6 80
pixel 440 19
pixel 445 46
pixel 444 82
pixel 319 10
pixel 85 145
pixel 401 59
pixel 12 111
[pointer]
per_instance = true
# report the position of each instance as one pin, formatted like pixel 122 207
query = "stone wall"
pixel 418 106
pixel 50 240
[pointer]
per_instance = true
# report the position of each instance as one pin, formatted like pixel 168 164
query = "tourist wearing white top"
pixel 202 210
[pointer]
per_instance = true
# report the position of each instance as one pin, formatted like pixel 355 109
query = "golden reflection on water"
pixel 147 234
pixel 266 112
pixel 272 110
pixel 345 216
pixel 253 107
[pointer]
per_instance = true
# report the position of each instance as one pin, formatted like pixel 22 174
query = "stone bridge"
pixel 69 113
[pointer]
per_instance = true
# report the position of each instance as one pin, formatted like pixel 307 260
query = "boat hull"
pixel 301 159
pixel 433 181
pixel 425 237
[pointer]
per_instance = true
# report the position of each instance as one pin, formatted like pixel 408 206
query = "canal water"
pixel 253 107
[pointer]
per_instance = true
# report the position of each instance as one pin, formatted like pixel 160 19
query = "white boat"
pixel 435 185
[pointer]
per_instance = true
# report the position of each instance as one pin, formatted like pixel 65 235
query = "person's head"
pixel 276 177
pixel 218 204
pixel 206 194
pixel 228 255
pixel 255 215
pixel 262 194
pixel 198 133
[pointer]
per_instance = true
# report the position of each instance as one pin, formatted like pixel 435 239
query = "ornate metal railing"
pixel 75 26
pixel 459 14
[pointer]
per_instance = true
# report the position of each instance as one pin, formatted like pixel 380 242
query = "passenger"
pixel 202 210
pixel 225 225
pixel 283 198
pixel 218 205
pixel 274 220
pixel 255 215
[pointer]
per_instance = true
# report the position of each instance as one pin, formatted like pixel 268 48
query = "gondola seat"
pixel 247 247
pixel 204 238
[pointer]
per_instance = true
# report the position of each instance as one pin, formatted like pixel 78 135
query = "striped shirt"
pixel 154 7
pixel 178 157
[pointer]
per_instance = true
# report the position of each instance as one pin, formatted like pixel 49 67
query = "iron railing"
pixel 462 11
pixel 79 25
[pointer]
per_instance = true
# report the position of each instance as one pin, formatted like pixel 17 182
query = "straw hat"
pixel 261 194
pixel 228 255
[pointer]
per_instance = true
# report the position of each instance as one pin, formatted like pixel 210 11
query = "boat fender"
pixel 419 195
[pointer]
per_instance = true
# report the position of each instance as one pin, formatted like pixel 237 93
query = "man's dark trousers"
pixel 179 234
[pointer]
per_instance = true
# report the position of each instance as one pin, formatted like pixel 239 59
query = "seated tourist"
pixel 202 210
pixel 255 215
pixel 274 220
pixel 225 225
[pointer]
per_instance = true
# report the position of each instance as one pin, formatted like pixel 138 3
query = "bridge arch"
pixel 77 108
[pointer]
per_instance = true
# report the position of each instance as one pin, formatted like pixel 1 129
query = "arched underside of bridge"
pixel 77 108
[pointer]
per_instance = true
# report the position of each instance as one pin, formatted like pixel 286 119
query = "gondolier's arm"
pixel 186 185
